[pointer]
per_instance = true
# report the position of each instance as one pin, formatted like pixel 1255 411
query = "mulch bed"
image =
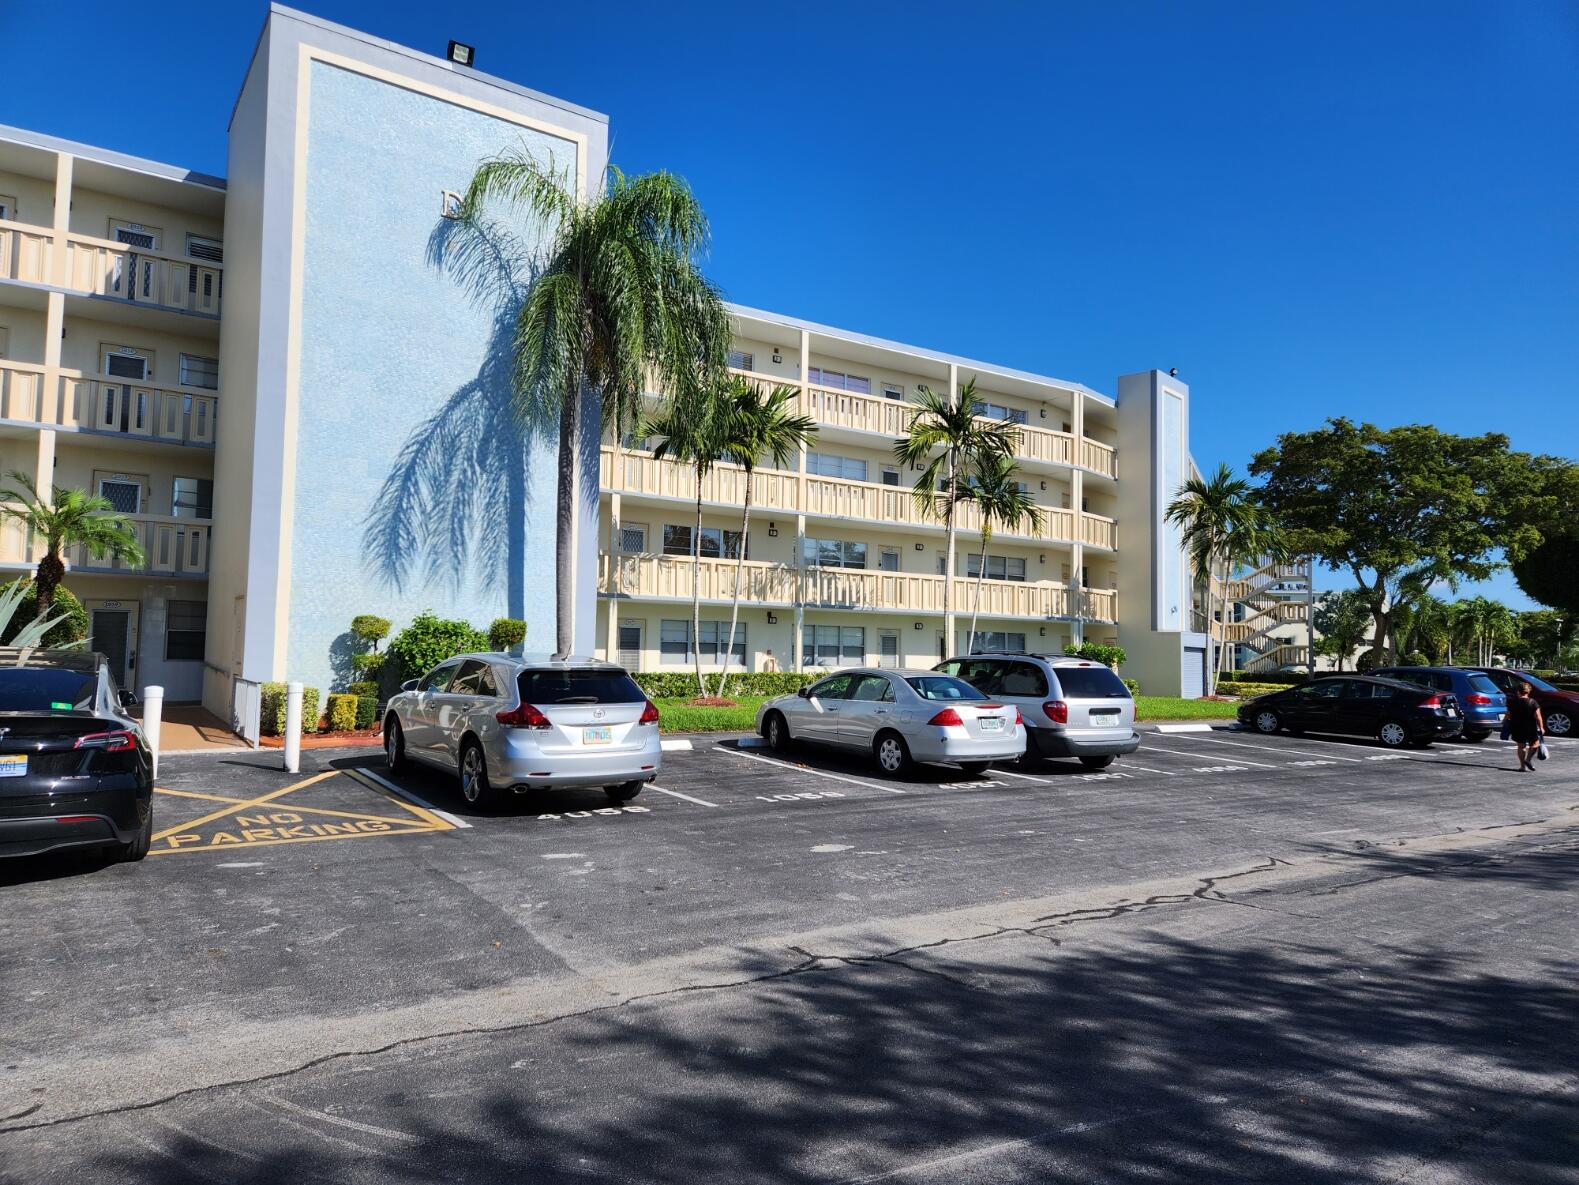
pixel 328 740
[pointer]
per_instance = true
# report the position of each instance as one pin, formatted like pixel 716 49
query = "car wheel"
pixel 777 732
pixel 1393 735
pixel 1098 762
pixel 138 848
pixel 475 788
pixel 624 792
pixel 975 768
pixel 1267 721
pixel 394 745
pixel 893 755
pixel 1559 724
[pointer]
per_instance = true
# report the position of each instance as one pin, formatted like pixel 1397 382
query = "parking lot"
pixel 288 922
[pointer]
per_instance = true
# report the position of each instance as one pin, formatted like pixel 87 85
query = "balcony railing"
pixel 669 578
pixel 830 497
pixel 103 267
pixel 100 403
pixel 171 546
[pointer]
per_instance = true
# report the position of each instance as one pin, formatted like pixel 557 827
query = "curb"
pixel 1191 726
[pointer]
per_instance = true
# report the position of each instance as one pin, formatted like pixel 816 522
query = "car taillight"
pixel 1057 711
pixel 1018 719
pixel 1477 699
pixel 115 741
pixel 526 716
pixel 946 717
pixel 1431 701
pixel 649 714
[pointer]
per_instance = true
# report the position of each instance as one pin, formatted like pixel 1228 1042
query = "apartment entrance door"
pixel 630 645
pixel 112 632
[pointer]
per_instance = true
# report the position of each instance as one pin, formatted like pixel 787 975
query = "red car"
pixel 1559 708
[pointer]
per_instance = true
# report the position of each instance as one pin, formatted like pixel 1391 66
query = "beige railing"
pixel 178 546
pixel 1100 604
pixel 108 268
pixel 21 390
pixel 1099 531
pixel 24 252
pixel 99 403
pixel 1102 458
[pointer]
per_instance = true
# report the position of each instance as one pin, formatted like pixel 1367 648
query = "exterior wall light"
pixel 920 547
pixel 773 531
pixel 918 625
pixel 773 618
pixel 462 54
pixel 777 357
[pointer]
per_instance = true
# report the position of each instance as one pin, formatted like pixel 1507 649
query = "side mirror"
pixel 803 692
pixel 129 699
pixel 409 685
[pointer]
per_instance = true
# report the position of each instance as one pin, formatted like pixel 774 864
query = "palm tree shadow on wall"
pixel 453 506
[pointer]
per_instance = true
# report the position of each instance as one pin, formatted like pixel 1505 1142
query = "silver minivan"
pixel 1072 707
pixel 499 721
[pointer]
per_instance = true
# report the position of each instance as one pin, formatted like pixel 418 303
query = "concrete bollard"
pixel 153 713
pixel 293 728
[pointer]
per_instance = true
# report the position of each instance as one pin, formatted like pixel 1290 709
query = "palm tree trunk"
pixel 740 571
pixel 565 519
pixel 1222 645
pixel 948 562
pixel 696 588
pixel 975 611
pixel 51 571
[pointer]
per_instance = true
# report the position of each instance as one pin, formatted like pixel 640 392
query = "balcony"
pixel 171 547
pixel 98 403
pixel 102 267
pixel 827 497
pixel 663 577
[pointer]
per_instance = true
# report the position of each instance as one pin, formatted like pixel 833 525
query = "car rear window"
pixel 1090 683
pixel 942 687
pixel 1483 685
pixel 578 687
pixel 44 690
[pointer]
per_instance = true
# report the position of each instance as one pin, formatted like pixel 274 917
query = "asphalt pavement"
pixel 1228 957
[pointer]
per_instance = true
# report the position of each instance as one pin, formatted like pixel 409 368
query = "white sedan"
pixel 899 717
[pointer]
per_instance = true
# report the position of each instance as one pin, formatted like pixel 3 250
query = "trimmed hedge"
pixel 271 720
pixel 1281 678
pixel 506 632
pixel 682 685
pixel 366 712
pixel 364 688
pixel 341 716
pixel 1110 656
pixel 1133 685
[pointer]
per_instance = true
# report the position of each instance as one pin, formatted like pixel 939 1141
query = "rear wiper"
pixel 577 699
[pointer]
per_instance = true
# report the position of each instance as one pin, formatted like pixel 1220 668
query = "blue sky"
pixel 1310 209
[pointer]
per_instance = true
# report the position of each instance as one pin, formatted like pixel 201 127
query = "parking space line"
pixel 383 783
pixel 1009 773
pixel 1277 749
pixel 245 803
pixel 805 769
pixel 1149 770
pixel 677 794
pixel 1203 756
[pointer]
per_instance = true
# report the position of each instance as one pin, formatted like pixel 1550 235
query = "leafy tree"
pixel 68 518
pixel 946 438
pixel 1539 638
pixel 619 299
pixel 1549 573
pixel 429 640
pixel 757 424
pixel 1406 507
pixel 506 632
pixel 1485 624
pixel 1003 501
pixel 1342 619
pixel 1223 526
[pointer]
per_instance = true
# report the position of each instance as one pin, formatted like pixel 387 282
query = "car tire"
pixel 475 787
pixel 394 745
pixel 1559 724
pixel 892 754
pixel 1097 762
pixel 776 729
pixel 975 768
pixel 1393 735
pixel 138 847
pixel 624 792
pixel 1266 721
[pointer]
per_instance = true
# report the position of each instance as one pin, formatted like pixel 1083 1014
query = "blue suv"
pixel 1482 701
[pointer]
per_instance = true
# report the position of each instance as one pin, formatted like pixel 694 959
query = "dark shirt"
pixel 1521 711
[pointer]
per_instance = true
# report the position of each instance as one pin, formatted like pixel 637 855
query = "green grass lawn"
pixel 676 716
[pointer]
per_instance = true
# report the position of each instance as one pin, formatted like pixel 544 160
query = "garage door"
pixel 1194 673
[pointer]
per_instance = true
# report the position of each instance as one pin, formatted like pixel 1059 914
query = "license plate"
pixel 13 765
pixel 1452 711
pixel 991 723
pixel 1104 717
pixel 596 736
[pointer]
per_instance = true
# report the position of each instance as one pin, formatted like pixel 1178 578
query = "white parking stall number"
pixel 1221 769
pixel 1104 777
pixel 602 810
pixel 804 795
pixel 1309 763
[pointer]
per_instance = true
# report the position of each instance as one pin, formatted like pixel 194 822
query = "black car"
pixel 1393 711
pixel 75 769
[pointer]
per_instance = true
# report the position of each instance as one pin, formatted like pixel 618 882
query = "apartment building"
pixel 347 443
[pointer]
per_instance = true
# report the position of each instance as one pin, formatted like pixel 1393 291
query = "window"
pixel 891 391
pixel 999 567
pixel 833 465
pixel 835 688
pixel 186 631
pixel 888 561
pixel 997 411
pixel 8 207
pixel 200 372
pixel 941 687
pixel 1095 682
pixel 674 641
pixel 135 234
pixel 124 497
pixel 438 678
pixel 888 648
pixel 5 339
pixel 741 360
pixel 717 543
pixel 998 641
pixel 832 645
pixel 1023 679
pixel 839 381
pixel 873 689
pixel 633 538
pixel 125 364
pixel 204 248
pixel 890 475
pixel 578 687
pixel 193 498
pixel 832 553
pixel 1324 689
pixel 475 678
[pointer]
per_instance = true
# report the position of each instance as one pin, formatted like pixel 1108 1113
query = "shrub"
pixel 364 688
pixel 1111 656
pixel 1133 685
pixel 366 712
pixel 429 640
pixel 1368 661
pixel 1281 678
pixel 271 719
pixel 342 713
pixel 73 629
pixel 369 629
pixel 682 685
pixel 367 666
pixel 1415 659
pixel 506 632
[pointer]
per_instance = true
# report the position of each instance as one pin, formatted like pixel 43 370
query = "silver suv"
pixel 496 721
pixel 1072 707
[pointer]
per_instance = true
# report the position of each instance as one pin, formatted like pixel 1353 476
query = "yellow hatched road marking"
pixel 297 807
pixel 413 829
pixel 250 802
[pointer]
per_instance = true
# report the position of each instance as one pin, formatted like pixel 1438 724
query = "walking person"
pixel 1525 724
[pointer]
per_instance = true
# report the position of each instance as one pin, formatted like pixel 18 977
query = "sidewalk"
pixel 189 728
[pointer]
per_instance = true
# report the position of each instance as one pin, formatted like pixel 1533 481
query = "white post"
pixel 153 712
pixel 293 728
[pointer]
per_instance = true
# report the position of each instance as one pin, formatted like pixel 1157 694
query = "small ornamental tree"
pixel 505 633
pixel 429 640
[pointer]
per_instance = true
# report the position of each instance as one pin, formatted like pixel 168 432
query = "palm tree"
pixel 618 299
pixel 693 431
pixel 757 424
pixel 1487 624
pixel 1223 526
pixel 1003 501
pixel 948 437
pixel 68 518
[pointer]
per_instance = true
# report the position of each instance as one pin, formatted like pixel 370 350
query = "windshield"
pixel 942 687
pixel 578 687
pixel 42 689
